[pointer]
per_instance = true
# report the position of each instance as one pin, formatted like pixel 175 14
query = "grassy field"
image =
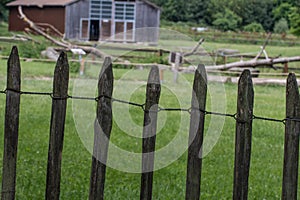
pixel 169 182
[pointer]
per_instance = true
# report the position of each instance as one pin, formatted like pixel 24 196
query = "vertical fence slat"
pixel 194 165
pixel 58 115
pixel 11 131
pixel 291 146
pixel 243 136
pixel 149 133
pixel 103 126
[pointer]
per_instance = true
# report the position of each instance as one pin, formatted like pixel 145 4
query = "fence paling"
pixel 196 133
pixel 149 133
pixel 102 131
pixel 243 136
pixel 291 146
pixel 58 115
pixel 12 110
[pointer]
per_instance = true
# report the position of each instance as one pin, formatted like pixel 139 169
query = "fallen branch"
pixel 255 63
pixel 264 46
pixel 194 49
pixel 65 45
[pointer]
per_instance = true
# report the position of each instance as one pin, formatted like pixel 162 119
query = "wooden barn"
pixel 116 20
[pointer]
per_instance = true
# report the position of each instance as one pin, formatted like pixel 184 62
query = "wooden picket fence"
pixel 244 118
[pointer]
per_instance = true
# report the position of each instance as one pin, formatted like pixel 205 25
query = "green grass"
pixel 169 182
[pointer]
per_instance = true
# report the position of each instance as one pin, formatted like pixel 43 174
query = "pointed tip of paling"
pixel 154 75
pixel 14 50
pixel 202 72
pixel 106 68
pixel 14 55
pixel 14 70
pixel 292 78
pixel 246 76
pixel 292 84
pixel 62 64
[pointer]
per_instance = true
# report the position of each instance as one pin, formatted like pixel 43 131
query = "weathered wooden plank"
pixel 58 115
pixel 291 145
pixel 11 130
pixel 196 133
pixel 244 116
pixel 103 126
pixel 149 133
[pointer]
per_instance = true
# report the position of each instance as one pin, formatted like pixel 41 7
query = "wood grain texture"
pixel 11 130
pixel 102 131
pixel 291 145
pixel 149 133
pixel 58 115
pixel 243 136
pixel 196 134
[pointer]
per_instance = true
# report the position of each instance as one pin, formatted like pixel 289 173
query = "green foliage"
pixel 31 49
pixel 175 10
pixel 74 67
pixel 3 10
pixel 281 26
pixel 254 27
pixel 227 20
pixel 295 20
pixel 282 12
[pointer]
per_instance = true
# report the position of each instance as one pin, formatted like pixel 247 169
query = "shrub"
pixel 281 26
pixel 74 67
pixel 254 27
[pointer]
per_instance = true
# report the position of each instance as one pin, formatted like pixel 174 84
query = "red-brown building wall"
pixel 51 15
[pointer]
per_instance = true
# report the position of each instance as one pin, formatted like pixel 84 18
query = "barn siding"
pixel 74 12
pixel 38 15
pixel 147 17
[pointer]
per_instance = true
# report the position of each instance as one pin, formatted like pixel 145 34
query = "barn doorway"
pixel 94 30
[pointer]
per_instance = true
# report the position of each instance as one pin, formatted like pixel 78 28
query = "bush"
pixel 281 26
pixel 74 67
pixel 254 27
pixel 227 20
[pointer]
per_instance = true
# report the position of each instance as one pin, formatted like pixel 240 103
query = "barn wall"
pixel 74 13
pixel 148 18
pixel 51 15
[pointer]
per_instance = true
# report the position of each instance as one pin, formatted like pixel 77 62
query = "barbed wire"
pixel 159 109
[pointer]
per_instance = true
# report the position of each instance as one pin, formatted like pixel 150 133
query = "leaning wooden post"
pixel 102 131
pixel 291 146
pixel 194 164
pixel 11 129
pixel 58 115
pixel 149 133
pixel 243 136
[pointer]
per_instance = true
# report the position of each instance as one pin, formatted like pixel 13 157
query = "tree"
pixel 295 20
pixel 3 10
pixel 259 11
pixel 227 20
pixel 198 11
pixel 282 12
pixel 175 10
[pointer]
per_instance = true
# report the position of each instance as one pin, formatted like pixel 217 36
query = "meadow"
pixel 169 182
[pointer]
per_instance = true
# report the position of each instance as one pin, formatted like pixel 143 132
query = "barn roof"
pixel 151 4
pixel 41 3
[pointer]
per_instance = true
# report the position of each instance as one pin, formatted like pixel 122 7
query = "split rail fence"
pixel 243 117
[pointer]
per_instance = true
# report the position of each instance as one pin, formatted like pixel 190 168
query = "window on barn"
pixel 125 11
pixel 101 9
